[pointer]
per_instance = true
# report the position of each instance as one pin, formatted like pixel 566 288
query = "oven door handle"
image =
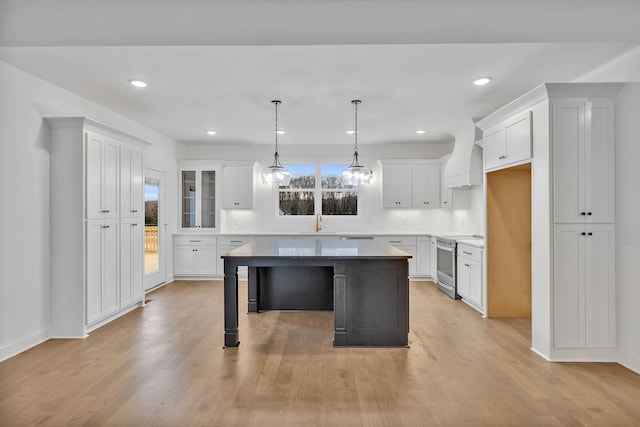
pixel 445 248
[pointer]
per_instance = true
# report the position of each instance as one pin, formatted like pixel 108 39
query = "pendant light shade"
pixel 276 174
pixel 356 174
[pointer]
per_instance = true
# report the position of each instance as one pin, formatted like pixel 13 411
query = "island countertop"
pixel 317 248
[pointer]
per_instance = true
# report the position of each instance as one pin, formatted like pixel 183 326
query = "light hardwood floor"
pixel 164 366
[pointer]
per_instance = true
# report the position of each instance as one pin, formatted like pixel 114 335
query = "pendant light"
pixel 356 174
pixel 276 174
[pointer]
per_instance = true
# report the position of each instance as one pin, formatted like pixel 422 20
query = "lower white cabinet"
pixel 584 286
pixel 433 240
pixel 131 261
pixel 423 256
pixel 229 243
pixel 404 243
pixel 469 275
pixel 194 255
pixel 102 269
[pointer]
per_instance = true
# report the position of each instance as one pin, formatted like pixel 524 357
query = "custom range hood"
pixel 464 167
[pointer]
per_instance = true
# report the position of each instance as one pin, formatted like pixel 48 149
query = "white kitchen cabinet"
pixel 95 174
pixel 131 260
pixel 396 186
pixel 131 182
pixel 584 160
pixel 423 256
pixel 509 142
pixel 102 154
pixel 237 187
pixel 102 269
pixel 229 243
pixel 425 184
pixel 453 198
pixel 198 203
pixel 469 276
pixel 194 255
pixel 404 243
pixel 584 286
pixel 433 240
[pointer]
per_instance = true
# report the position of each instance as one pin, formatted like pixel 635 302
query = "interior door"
pixel 155 228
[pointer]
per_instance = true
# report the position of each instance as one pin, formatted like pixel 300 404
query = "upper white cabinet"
pixel 454 198
pixel 425 184
pixel 199 188
pixel 508 142
pixel 583 153
pixel 237 187
pixel 102 161
pixel 411 184
pixel 396 187
pixel 97 217
pixel 131 182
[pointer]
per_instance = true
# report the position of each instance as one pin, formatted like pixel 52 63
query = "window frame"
pixel 317 191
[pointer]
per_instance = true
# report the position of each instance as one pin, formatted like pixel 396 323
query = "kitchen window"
pixel 317 188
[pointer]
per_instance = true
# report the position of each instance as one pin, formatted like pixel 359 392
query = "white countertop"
pixel 478 243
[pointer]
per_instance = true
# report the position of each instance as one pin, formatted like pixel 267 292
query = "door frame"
pixel 159 276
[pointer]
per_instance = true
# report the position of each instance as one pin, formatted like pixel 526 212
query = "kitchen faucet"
pixel 318 221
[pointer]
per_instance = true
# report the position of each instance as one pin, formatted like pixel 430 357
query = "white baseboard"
pixel 629 361
pixel 540 354
pixel 21 344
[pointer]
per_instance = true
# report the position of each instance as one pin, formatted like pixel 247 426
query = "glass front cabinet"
pixel 198 198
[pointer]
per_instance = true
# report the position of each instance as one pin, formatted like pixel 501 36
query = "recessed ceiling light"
pixel 211 132
pixel 138 83
pixel 351 132
pixel 482 81
pixel 280 132
pixel 420 132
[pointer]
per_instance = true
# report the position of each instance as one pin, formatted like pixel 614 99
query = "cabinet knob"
pixel 583 234
pixel 134 224
pixel 583 213
pixel 590 234
pixel 589 213
pixel 105 211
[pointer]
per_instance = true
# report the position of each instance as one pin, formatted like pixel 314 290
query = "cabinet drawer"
pixel 194 240
pixel 398 240
pixel 470 252
pixel 234 240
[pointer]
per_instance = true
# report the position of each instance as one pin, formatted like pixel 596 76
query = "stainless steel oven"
pixel 446 261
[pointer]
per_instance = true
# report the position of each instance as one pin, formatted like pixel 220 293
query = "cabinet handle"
pixel 105 226
pixel 105 211
pixel 444 203
pixel 395 241
pixel 194 241
pixel 135 211
pixel 134 224
pixel 468 253
pixel 235 241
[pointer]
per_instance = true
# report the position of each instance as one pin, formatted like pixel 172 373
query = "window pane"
pixel 302 176
pixel 296 203
pixel 331 176
pixel 339 203
pixel 151 256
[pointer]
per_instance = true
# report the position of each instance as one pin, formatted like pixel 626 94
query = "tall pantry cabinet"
pixel 97 225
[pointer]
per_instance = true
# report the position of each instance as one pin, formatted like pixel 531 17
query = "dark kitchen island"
pixel 365 282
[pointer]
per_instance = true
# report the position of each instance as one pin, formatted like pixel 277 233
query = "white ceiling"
pixel 218 64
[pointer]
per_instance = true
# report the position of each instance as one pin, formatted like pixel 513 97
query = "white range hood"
pixel 464 167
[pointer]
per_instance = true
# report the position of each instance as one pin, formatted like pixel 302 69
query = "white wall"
pixel 24 197
pixel 626 69
pixel 373 218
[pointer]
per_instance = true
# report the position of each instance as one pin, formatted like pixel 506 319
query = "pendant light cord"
pixel 355 152
pixel 276 156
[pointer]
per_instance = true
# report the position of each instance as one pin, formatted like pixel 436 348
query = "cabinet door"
pixel 131 185
pixel 463 277
pixel 518 137
pixel 93 165
pixel 238 187
pixel 131 261
pixel 434 259
pixel 396 187
pixel 568 161
pixel 569 286
pixel 493 148
pixel 206 262
pixel 412 261
pixel 229 188
pixel 599 157
pixel 110 178
pixel 188 199
pixel 207 199
pixel 425 186
pixel 184 260
pixel 110 266
pixel 600 286
pixel 423 258
pixel 475 290
pixel 94 270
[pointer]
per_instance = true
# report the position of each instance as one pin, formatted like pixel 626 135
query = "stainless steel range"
pixel 446 261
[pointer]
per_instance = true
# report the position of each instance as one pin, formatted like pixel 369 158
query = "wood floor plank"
pixel 164 365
